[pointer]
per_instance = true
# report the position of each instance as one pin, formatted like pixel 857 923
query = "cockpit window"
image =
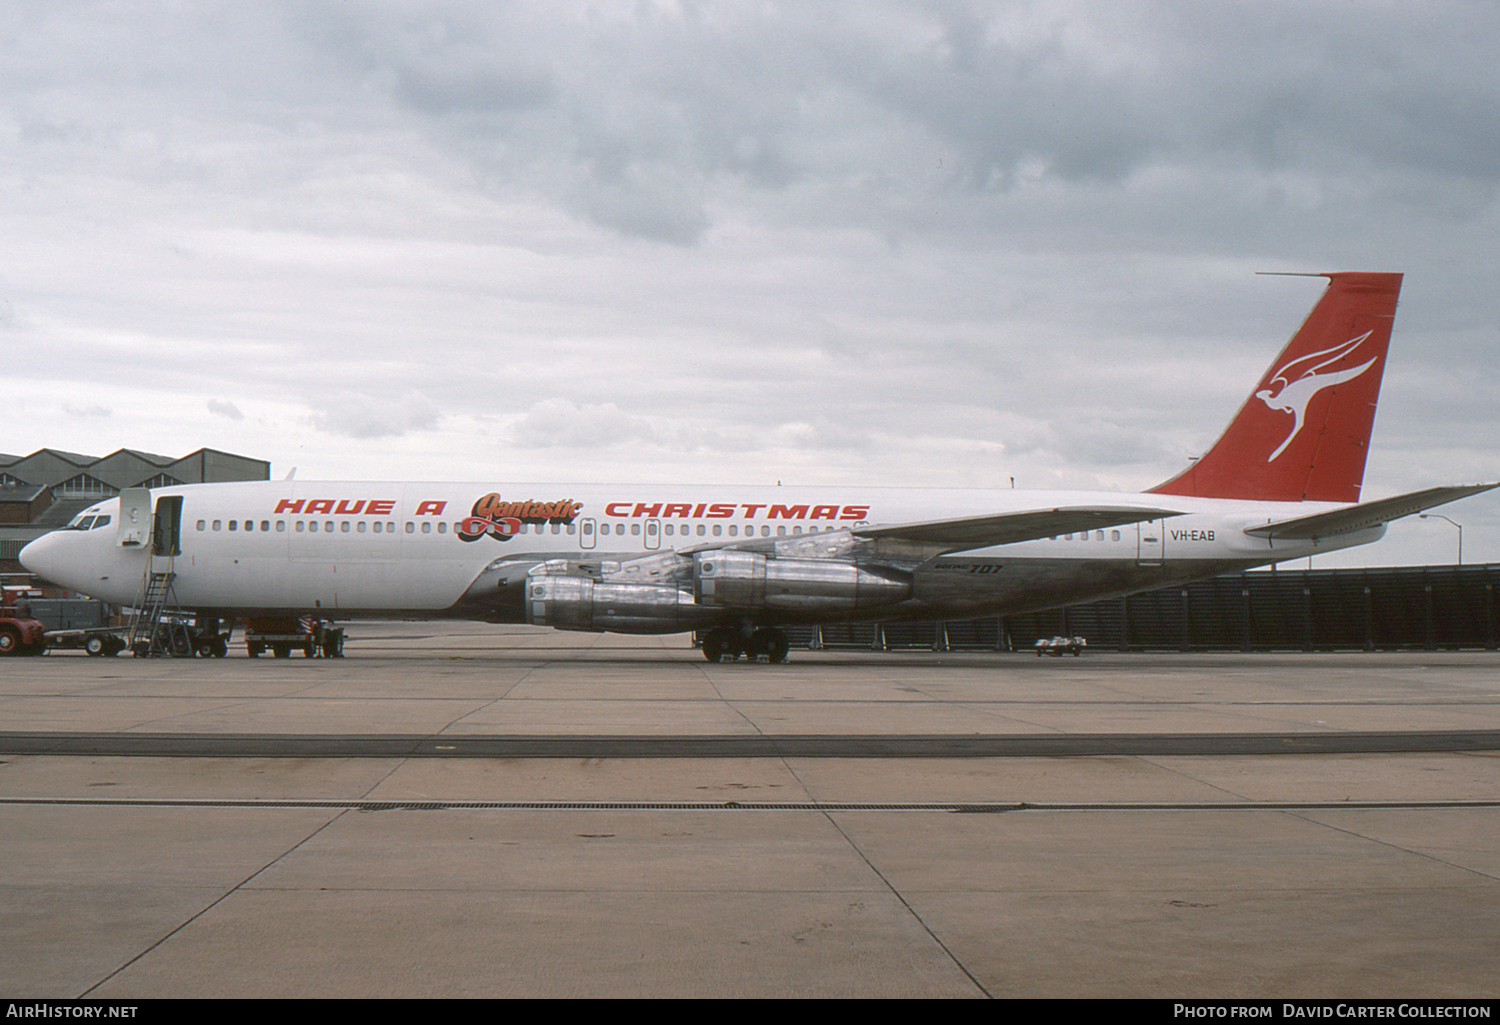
pixel 89 519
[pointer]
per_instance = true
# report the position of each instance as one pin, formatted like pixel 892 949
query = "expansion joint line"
pixel 210 905
pixel 916 916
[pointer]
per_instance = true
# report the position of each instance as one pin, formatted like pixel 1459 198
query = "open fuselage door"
pixel 166 526
pixel 144 523
pixel 135 518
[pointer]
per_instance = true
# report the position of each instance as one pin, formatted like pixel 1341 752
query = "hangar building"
pixel 46 489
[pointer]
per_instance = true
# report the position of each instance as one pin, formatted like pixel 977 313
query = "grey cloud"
pixel 227 410
pixel 892 116
pixel 561 423
pixel 359 415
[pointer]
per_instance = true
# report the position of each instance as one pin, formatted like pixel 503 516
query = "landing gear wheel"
pixel 721 642
pixel 770 642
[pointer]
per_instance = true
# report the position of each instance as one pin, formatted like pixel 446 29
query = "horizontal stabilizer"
pixel 1366 514
pixel 1009 528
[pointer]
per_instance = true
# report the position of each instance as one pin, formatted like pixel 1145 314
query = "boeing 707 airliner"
pixel 739 564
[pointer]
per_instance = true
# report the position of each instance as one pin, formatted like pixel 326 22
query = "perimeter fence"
pixel 1385 609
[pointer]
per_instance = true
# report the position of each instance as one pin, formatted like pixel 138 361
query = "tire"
pixel 96 645
pixel 720 642
pixel 10 641
pixel 779 645
pixel 770 642
pixel 712 649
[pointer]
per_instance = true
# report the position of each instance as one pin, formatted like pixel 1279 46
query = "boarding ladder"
pixel 157 628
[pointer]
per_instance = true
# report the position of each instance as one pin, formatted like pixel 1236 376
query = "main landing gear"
pixel 729 643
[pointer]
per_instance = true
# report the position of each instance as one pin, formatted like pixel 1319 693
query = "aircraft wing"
pixel 1366 514
pixel 1009 528
pixel 937 537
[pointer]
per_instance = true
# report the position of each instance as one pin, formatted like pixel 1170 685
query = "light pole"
pixel 1440 516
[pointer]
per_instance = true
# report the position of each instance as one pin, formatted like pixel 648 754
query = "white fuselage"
pixel 414 550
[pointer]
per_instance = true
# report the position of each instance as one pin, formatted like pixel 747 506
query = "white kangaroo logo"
pixel 1300 380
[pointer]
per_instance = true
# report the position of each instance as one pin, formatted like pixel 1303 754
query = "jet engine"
pixel 668 592
pixel 581 603
pixel 750 580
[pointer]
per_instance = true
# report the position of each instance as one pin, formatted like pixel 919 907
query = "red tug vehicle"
pixel 19 633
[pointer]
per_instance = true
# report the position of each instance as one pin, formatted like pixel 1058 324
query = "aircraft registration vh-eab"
pixel 739 564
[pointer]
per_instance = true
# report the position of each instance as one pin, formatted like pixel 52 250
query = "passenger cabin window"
pixel 202 524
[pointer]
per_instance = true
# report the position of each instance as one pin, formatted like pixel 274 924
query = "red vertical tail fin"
pixel 1304 432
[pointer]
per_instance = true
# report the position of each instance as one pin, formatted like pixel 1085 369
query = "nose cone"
pixel 41 557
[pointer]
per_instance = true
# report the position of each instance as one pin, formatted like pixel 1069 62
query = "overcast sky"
pixel 877 242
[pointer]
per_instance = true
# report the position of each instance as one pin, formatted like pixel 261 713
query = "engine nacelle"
pixel 749 580
pixel 579 603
